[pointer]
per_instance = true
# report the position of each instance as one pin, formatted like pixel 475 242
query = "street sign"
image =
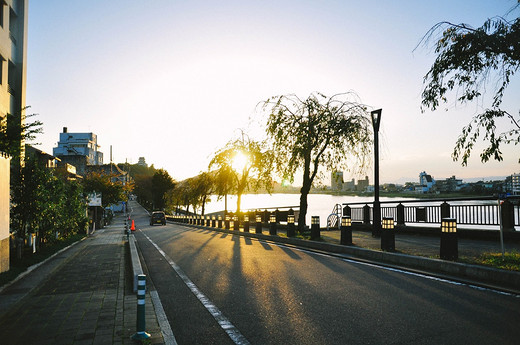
pixel 94 199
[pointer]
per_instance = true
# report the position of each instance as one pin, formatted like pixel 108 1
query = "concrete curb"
pixel 479 275
pixel 137 269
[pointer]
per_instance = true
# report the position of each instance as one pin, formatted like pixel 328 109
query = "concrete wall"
pixel 4 212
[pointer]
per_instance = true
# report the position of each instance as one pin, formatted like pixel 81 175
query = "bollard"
pixel 213 222
pixel 226 222
pixel 388 235
pixel 219 222
pixel 272 224
pixel 315 227
pixel 141 319
pixel 290 225
pixel 346 230
pixel 246 223
pixel 236 223
pixel 258 228
pixel 449 243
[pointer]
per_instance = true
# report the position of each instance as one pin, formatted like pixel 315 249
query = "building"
pixel 44 159
pixel 349 185
pixel 515 184
pixel 362 185
pixel 336 180
pixel 13 76
pixel 13 60
pixel 142 162
pixel 5 162
pixel 449 185
pixel 78 149
pixel 426 183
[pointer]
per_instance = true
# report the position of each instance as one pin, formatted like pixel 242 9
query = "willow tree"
pixel 467 58
pixel 319 131
pixel 242 164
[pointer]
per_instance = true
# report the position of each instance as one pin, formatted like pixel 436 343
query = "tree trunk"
pixel 203 204
pixel 239 201
pixel 304 191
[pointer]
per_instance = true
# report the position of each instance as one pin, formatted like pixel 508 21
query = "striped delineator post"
pixel 141 319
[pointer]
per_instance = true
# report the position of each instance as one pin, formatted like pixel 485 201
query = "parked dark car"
pixel 158 217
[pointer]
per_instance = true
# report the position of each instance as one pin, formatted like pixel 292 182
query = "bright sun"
pixel 240 160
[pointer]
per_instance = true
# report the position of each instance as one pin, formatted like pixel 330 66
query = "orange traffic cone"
pixel 133 226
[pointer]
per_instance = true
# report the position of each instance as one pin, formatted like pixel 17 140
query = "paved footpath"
pixel 83 295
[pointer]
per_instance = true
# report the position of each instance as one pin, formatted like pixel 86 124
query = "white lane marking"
pixel 166 330
pixel 224 323
pixel 421 275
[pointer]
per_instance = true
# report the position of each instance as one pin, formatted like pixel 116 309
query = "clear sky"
pixel 173 80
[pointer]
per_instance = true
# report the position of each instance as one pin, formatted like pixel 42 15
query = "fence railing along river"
pixel 486 213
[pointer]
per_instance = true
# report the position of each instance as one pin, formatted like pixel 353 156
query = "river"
pixel 319 204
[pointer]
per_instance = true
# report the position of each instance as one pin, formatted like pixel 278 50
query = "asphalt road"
pixel 264 293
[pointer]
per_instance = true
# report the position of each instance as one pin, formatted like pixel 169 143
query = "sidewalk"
pixel 83 295
pixel 423 245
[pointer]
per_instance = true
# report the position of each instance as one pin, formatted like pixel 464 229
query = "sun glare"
pixel 240 160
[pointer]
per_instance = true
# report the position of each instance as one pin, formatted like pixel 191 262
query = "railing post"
pixel 290 224
pixel 236 223
pixel 388 235
pixel 445 210
pixel 400 214
pixel 258 228
pixel 272 224
pixel 315 228
pixel 246 223
pixel 449 242
pixel 366 215
pixel 507 215
pixel 346 230
pixel 226 222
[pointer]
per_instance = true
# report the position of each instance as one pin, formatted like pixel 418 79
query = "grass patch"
pixel 29 259
pixel 511 260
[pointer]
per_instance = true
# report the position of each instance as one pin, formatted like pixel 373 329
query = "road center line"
pixel 224 323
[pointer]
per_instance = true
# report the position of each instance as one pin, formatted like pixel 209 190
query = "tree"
pixel 467 58
pixel 111 192
pixel 316 132
pixel 201 187
pixel 47 204
pixel 13 133
pixel 162 183
pixel 242 164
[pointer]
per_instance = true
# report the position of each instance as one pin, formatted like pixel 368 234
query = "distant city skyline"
pixel 173 81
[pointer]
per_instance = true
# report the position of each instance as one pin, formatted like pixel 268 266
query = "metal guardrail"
pixel 487 211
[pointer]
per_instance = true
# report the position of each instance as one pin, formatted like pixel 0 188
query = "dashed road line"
pixel 223 321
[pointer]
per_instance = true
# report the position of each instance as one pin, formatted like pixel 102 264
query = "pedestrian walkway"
pixel 84 297
pixel 422 245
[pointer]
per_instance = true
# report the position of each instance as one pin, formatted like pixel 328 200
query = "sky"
pixel 174 81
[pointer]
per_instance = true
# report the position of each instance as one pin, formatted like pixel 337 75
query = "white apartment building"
pixel 13 75
pixel 79 144
pixel 13 59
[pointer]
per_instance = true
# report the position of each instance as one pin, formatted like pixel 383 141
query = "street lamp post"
pixel 376 214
